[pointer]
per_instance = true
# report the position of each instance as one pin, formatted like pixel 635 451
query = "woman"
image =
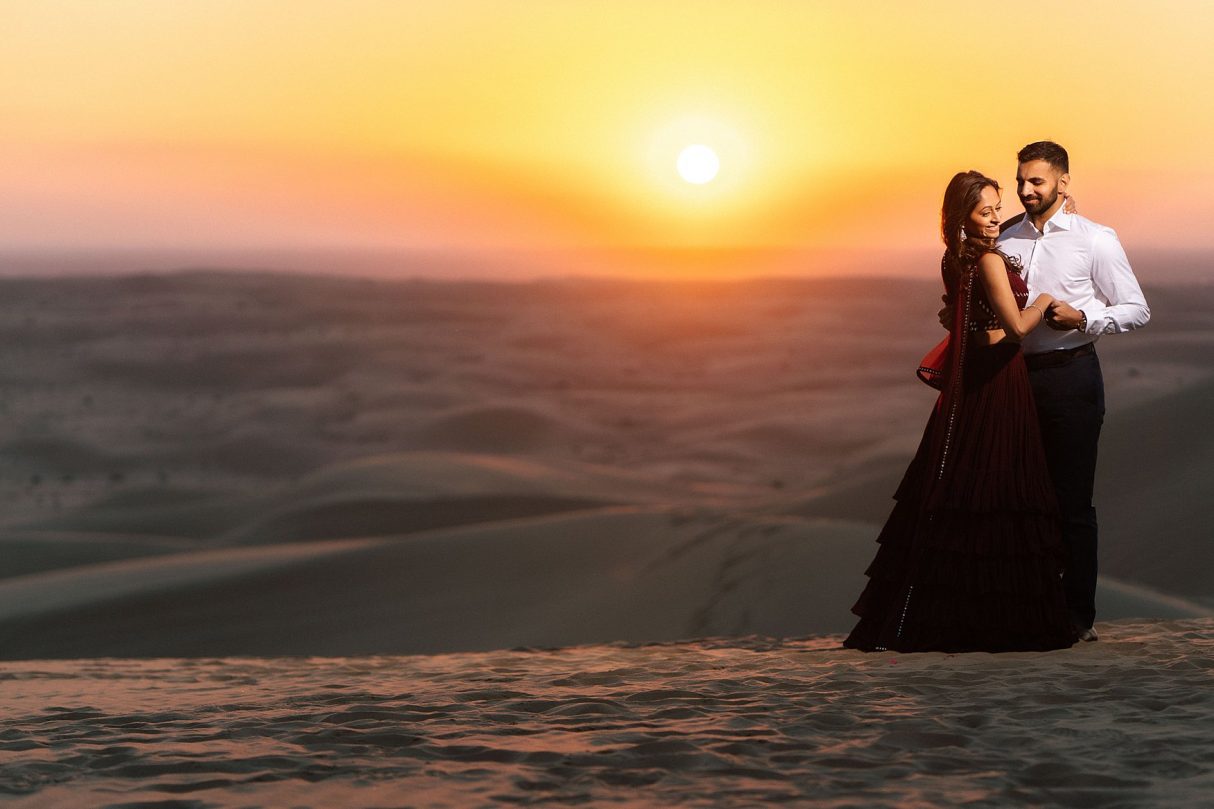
pixel 971 556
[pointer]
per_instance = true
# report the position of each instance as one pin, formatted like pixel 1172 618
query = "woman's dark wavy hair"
pixel 962 195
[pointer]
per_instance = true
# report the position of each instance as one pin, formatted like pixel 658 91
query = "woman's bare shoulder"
pixel 990 260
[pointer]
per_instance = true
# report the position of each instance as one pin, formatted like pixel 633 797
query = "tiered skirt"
pixel 971 557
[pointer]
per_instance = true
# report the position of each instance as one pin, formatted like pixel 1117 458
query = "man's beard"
pixel 1043 204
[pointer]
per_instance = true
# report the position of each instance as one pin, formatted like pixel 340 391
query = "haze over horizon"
pixel 209 130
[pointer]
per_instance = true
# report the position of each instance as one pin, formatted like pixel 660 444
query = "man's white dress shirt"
pixel 1080 262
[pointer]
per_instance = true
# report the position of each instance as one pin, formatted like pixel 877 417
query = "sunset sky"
pixel 468 124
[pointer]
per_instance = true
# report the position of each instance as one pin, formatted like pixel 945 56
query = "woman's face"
pixel 984 219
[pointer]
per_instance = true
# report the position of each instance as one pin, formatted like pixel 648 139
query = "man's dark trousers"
pixel 1070 409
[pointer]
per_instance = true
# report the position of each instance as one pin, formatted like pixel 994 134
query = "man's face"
pixel 1038 185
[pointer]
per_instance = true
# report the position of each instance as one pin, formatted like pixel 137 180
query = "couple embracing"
pixel 991 544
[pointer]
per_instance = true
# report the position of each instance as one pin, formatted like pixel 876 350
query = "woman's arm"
pixel 999 292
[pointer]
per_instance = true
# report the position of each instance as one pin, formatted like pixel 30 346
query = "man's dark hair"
pixel 1048 151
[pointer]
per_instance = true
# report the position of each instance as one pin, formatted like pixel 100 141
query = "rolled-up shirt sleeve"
pixel 1120 305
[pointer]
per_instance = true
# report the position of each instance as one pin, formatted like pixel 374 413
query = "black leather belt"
pixel 1049 359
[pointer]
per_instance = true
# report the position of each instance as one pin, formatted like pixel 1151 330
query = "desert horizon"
pixel 1170 266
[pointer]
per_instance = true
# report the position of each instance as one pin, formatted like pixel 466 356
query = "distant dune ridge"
pixel 216 464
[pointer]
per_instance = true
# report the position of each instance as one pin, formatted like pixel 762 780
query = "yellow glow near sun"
pixel 701 162
pixel 698 164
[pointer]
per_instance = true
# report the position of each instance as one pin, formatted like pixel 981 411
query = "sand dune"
pixel 592 575
pixel 335 517
pixel 26 552
pixel 415 491
pixel 1117 599
pixel 639 573
pixel 497 428
pixel 67 456
pixel 738 721
pixel 243 463
pixel 424 474
pixel 1155 493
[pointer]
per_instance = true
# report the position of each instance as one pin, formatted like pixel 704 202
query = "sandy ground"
pixel 731 721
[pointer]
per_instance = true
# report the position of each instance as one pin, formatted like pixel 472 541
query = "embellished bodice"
pixel 983 317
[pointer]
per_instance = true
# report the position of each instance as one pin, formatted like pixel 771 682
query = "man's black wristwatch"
pixel 1083 323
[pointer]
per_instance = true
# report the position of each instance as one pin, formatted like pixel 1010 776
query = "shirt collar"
pixel 1061 220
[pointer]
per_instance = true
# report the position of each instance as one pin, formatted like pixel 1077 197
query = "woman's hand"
pixel 1042 304
pixel 1069 204
pixel 1064 317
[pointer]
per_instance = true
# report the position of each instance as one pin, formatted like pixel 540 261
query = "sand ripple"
pixel 720 721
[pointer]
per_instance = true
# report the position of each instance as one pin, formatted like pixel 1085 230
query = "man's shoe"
pixel 1087 634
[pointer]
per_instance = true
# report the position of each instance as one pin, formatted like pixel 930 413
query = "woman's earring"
pixel 963 235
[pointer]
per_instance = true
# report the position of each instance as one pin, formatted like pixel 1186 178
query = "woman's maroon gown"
pixel 971 556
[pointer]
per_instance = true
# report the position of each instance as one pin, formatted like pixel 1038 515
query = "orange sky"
pixel 470 125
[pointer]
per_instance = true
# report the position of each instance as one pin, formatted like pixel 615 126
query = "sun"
pixel 698 164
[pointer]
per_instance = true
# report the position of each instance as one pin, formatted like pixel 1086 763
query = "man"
pixel 1083 265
